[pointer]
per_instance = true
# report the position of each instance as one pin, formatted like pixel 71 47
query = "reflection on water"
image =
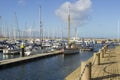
pixel 22 73
pixel 3 57
pixel 8 56
pixel 50 68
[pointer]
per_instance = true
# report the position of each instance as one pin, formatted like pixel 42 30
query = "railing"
pixel 88 65
pixel 82 72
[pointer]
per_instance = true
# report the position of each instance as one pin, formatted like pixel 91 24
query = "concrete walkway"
pixel 109 68
pixel 14 61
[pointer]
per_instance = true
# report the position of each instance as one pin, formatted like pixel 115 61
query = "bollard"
pixel 106 47
pixel 102 52
pixel 98 60
pixel 99 51
pixel 87 70
pixel 97 55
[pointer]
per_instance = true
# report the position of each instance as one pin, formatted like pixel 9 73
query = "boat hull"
pixel 86 49
pixel 71 51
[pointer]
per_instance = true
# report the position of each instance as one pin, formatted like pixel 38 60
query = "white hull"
pixel 9 52
pixel 27 53
pixel 71 51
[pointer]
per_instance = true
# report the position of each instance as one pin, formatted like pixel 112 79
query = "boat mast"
pixel 62 33
pixel 118 32
pixel 69 26
pixel 75 36
pixel 25 31
pixel 41 28
pixel 0 26
pixel 5 29
pixel 33 26
pixel 16 29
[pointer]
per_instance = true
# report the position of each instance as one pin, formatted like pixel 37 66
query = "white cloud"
pixel 21 2
pixel 79 11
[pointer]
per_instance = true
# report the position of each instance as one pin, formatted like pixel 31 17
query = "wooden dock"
pixel 20 60
pixel 109 68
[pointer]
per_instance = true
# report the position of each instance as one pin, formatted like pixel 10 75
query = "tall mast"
pixel 33 26
pixel 62 33
pixel 69 26
pixel 5 29
pixel 118 32
pixel 16 30
pixel 0 26
pixel 7 32
pixel 25 31
pixel 75 32
pixel 41 28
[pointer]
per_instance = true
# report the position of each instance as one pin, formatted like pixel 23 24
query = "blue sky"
pixel 101 22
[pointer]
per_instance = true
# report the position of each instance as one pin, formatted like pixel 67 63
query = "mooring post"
pixel 98 60
pixel 106 47
pixel 102 52
pixel 97 55
pixel 86 70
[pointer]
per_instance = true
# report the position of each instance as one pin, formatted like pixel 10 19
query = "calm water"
pixel 52 68
pixel 3 57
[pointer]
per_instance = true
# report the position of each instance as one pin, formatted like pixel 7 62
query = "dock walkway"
pixel 16 61
pixel 109 68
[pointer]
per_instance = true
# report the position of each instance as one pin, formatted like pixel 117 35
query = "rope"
pixel 93 61
pixel 82 72
pixel 86 66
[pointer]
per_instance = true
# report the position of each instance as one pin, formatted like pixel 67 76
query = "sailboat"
pixel 34 48
pixel 72 48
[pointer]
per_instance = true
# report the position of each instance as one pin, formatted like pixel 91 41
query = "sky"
pixel 93 18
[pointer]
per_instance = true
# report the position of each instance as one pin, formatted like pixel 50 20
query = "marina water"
pixel 50 68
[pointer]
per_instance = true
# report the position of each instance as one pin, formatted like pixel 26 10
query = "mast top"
pixel 68 9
